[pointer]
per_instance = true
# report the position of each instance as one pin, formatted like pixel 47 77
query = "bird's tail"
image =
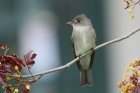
pixel 86 78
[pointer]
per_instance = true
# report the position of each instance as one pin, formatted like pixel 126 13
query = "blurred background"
pixel 40 25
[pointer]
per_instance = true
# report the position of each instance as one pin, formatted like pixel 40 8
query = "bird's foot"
pixel 92 49
pixel 80 57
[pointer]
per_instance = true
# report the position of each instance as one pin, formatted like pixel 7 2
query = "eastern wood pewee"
pixel 83 39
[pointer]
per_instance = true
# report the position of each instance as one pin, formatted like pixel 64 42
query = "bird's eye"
pixel 78 21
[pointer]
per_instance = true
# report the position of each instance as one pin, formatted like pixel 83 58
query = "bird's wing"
pixel 78 62
pixel 93 54
pixel 91 61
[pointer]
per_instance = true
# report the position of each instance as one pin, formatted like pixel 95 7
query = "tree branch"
pixel 76 59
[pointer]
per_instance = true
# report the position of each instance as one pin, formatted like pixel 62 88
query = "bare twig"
pixel 76 59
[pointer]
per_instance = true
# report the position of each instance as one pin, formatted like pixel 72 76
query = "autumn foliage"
pixel 130 5
pixel 130 82
pixel 13 65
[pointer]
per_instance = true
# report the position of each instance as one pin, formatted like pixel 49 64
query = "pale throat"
pixel 80 28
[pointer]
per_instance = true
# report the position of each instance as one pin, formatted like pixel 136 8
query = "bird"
pixel 83 39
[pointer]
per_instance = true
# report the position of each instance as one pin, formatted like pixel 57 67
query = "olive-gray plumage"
pixel 83 39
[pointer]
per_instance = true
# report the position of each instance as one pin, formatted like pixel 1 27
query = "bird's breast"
pixel 83 40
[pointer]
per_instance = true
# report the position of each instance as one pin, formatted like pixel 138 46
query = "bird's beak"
pixel 69 23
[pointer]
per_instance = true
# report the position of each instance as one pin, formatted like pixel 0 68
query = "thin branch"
pixel 76 59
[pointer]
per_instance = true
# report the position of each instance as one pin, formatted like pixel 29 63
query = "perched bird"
pixel 83 39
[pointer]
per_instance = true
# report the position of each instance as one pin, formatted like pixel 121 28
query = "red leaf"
pixel 15 58
pixel 29 59
pixel 3 80
pixel 6 72
pixel 30 64
pixel 33 56
pixel 9 63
